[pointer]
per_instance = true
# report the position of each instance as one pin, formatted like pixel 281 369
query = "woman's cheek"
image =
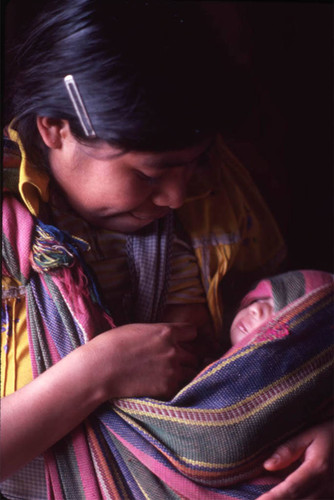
pixel 135 191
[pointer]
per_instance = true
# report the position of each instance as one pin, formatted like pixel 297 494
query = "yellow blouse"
pixel 15 358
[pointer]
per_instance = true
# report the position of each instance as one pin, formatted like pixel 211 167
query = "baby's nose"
pixel 261 310
pixel 256 310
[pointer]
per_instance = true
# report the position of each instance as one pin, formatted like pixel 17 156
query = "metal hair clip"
pixel 79 106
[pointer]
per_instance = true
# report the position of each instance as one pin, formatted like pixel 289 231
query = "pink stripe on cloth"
pixel 18 227
pixel 88 315
pixel 177 482
pixel 55 491
pixel 85 465
pixel 316 279
pixel 107 481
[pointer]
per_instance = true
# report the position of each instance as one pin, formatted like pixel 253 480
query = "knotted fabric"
pixel 210 440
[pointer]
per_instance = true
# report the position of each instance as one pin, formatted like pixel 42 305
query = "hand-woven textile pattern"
pixel 208 442
pixel 149 253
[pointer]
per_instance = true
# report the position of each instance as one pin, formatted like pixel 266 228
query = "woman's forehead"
pixel 103 151
pixel 171 158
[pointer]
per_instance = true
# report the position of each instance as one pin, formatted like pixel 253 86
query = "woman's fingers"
pixel 186 355
pixel 180 332
pixel 313 478
pixel 305 483
pixel 145 359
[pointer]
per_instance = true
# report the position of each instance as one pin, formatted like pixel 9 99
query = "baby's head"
pixel 270 296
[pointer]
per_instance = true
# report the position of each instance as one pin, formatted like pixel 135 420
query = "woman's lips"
pixel 154 216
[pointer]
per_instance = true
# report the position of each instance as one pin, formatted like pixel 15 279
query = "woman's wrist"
pixel 96 369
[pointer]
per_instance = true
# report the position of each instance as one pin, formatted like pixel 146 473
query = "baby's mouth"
pixel 242 328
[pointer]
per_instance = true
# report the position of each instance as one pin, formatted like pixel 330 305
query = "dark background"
pixel 285 137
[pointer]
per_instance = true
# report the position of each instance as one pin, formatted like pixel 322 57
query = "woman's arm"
pixel 132 360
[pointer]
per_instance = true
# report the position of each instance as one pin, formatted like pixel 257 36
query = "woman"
pixel 116 133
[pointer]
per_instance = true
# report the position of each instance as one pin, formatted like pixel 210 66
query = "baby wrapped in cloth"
pixel 210 441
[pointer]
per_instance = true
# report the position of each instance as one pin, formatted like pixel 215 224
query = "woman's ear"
pixel 52 131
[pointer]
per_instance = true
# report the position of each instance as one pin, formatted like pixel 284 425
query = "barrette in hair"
pixel 79 106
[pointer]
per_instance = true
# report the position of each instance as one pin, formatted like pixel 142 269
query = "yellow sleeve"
pixel 230 226
pixel 16 368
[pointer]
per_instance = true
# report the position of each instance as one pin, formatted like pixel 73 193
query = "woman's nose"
pixel 172 191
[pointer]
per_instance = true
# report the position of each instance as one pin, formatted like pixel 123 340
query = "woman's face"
pixel 251 317
pixel 122 191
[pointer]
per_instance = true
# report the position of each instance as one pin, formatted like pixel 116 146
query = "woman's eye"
pixel 147 178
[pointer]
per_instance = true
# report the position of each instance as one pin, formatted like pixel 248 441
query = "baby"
pixel 270 296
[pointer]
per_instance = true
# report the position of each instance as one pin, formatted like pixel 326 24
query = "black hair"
pixel 151 73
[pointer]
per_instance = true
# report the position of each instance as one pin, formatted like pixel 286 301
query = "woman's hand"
pixel 313 479
pixel 150 360
pixel 205 346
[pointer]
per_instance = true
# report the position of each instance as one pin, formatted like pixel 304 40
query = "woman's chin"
pixel 125 223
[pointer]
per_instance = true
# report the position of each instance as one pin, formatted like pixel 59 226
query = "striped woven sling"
pixel 210 440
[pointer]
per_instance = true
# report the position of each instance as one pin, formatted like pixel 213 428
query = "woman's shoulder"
pixel 222 192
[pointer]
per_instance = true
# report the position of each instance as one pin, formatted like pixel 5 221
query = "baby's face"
pixel 251 317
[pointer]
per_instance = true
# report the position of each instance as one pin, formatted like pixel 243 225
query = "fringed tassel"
pixel 54 249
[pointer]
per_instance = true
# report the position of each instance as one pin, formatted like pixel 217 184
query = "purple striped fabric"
pixel 210 440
